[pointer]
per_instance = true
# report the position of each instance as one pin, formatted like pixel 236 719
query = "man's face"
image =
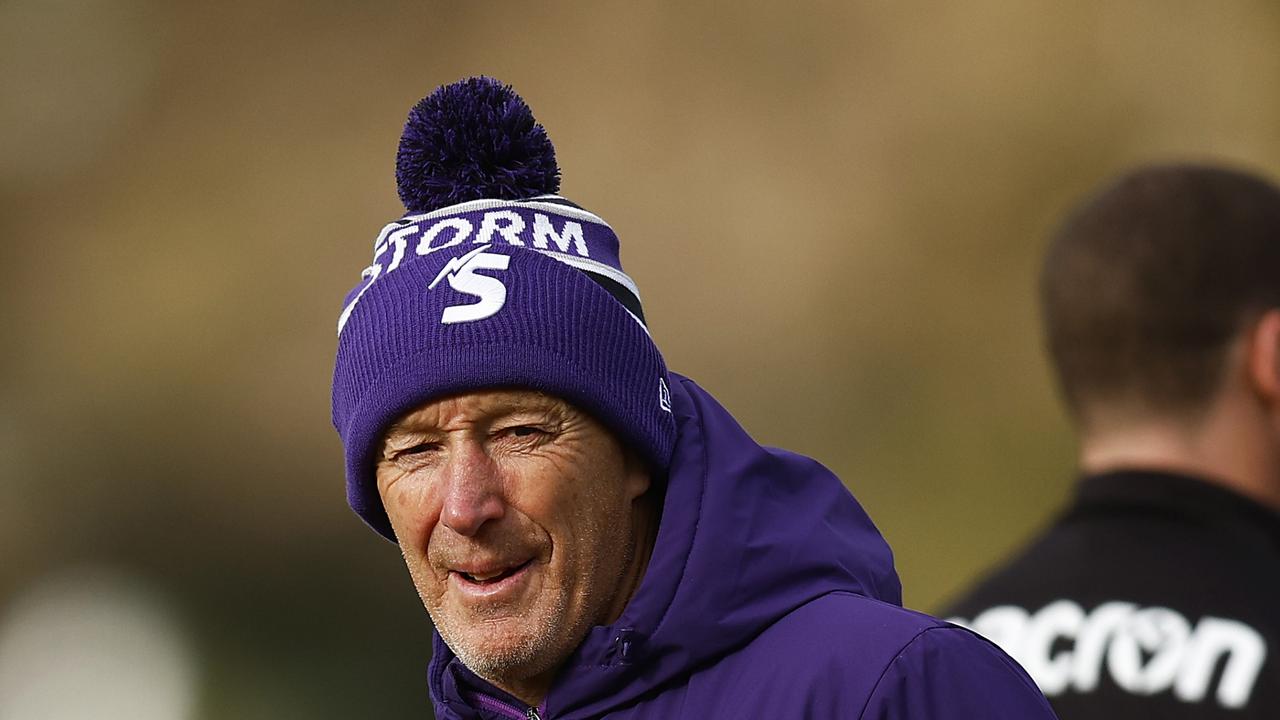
pixel 516 516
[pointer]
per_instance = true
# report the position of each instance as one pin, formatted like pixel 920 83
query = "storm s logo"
pixel 461 272
pixel 403 238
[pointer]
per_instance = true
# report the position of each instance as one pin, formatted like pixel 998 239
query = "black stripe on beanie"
pixel 619 292
pixel 553 200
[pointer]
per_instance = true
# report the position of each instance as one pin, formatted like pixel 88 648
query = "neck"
pixel 1231 446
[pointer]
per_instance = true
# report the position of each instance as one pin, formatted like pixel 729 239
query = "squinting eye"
pixel 529 433
pixel 418 449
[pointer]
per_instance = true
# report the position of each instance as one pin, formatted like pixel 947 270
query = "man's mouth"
pixel 490 577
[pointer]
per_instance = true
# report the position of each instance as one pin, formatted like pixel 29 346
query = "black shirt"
pixel 1153 596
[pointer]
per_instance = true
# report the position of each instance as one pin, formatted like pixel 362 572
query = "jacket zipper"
pixel 495 705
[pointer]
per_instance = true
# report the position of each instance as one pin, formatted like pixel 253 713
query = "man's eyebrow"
pixel 495 408
pixel 400 426
pixel 400 431
pixel 545 406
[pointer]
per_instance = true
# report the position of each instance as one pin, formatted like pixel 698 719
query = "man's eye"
pixel 523 431
pixel 418 449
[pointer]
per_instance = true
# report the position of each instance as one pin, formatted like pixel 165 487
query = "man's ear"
pixel 638 478
pixel 1263 359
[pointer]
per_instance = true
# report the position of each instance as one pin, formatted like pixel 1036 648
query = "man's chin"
pixel 500 650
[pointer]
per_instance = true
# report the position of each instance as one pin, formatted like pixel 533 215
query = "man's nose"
pixel 473 491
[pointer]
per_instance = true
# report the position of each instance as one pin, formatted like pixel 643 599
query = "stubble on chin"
pixel 500 643
pixel 495 640
pixel 506 642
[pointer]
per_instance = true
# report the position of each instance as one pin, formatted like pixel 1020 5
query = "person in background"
pixel 591 534
pixel 1156 593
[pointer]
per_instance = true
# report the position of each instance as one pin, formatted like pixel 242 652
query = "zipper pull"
pixel 532 713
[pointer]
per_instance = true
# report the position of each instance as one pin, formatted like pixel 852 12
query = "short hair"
pixel 1147 283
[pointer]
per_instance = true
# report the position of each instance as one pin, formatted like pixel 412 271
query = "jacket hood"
pixel 748 534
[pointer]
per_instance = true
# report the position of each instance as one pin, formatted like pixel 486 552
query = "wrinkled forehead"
pixel 480 405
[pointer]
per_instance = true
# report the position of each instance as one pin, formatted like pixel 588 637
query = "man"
pixel 592 535
pixel 1157 593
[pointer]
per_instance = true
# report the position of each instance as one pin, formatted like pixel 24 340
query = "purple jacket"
pixel 770 594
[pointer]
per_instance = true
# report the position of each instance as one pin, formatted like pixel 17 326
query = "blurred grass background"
pixel 834 210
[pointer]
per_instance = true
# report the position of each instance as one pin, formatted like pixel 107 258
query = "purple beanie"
pixel 492 280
